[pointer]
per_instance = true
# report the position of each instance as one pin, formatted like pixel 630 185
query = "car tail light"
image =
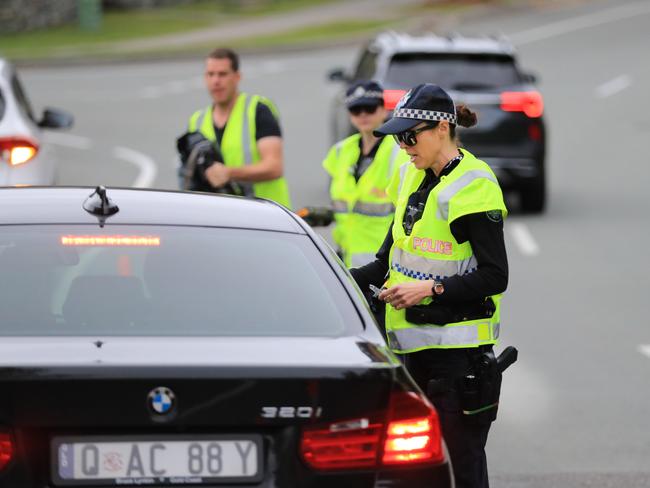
pixel 17 150
pixel 6 449
pixel 413 432
pixel 410 434
pixel 531 103
pixel 535 132
pixel 342 445
pixel 391 97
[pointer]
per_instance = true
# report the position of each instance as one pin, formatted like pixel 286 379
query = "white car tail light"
pixel 17 150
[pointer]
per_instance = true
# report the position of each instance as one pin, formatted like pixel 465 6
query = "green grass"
pixel 297 37
pixel 254 8
pixel 136 24
pixel 115 27
pixel 336 30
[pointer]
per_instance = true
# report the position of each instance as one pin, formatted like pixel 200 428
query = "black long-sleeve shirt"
pixel 483 230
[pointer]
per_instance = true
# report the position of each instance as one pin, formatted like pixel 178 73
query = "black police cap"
pixel 364 94
pixel 424 103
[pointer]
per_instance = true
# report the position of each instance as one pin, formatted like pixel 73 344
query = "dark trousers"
pixel 465 440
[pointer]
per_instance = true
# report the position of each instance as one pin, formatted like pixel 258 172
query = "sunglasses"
pixel 369 109
pixel 408 137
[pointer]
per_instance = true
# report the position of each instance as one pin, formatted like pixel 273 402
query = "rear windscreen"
pixel 167 281
pixel 452 72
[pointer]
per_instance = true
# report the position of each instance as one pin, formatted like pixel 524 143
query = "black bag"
pixel 197 154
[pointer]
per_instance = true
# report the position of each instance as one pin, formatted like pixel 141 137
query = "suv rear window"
pixel 452 71
pixel 167 281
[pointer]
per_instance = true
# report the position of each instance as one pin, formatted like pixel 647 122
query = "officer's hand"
pixel 217 175
pixel 408 294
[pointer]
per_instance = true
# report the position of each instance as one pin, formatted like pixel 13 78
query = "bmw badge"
pixel 161 400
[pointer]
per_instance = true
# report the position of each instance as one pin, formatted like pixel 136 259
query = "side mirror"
pixel 529 77
pixel 337 75
pixel 56 119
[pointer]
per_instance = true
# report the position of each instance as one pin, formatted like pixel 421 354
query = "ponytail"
pixel 465 117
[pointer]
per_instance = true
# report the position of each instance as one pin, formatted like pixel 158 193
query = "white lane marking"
pixel 68 140
pixel 179 87
pixel 645 349
pixel 582 22
pixel 273 66
pixel 174 87
pixel 151 92
pixel 145 164
pixel 613 87
pixel 524 239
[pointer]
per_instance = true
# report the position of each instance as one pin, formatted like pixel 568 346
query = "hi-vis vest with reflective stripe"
pixel 363 210
pixel 238 145
pixel 431 251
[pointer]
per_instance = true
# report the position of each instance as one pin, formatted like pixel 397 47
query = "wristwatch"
pixel 438 288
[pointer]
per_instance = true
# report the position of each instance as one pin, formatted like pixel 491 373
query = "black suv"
pixel 481 72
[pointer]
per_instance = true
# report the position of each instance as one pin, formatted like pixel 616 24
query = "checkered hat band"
pixel 416 113
pixel 367 94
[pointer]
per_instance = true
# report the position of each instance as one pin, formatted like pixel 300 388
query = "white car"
pixel 25 157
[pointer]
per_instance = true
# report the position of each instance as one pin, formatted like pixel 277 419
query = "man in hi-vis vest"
pixel 245 127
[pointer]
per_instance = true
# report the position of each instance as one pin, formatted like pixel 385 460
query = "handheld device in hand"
pixel 376 290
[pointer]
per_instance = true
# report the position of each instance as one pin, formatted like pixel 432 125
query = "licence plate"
pixel 156 460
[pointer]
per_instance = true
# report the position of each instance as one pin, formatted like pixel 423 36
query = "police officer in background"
pixel 447 267
pixel 360 167
pixel 246 130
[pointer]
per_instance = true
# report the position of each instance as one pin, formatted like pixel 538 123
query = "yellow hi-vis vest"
pixel 432 253
pixel 362 209
pixel 239 146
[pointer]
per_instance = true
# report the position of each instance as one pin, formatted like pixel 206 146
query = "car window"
pixel 21 97
pixel 452 71
pixel 367 66
pixel 168 281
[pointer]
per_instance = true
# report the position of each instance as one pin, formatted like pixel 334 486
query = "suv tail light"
pixel 6 449
pixel 531 103
pixel 391 97
pixel 409 434
pixel 17 150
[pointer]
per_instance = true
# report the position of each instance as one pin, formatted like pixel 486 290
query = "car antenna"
pixel 99 205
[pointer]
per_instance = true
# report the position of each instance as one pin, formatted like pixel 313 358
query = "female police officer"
pixel 360 167
pixel 446 261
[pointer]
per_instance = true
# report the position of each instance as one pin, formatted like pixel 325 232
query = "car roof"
pixel 396 42
pixel 64 205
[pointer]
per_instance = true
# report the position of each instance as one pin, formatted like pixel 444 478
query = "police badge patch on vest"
pixel 494 215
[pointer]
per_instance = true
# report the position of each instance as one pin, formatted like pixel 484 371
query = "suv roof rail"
pixel 398 41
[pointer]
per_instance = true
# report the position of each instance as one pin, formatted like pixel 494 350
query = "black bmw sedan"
pixel 174 339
